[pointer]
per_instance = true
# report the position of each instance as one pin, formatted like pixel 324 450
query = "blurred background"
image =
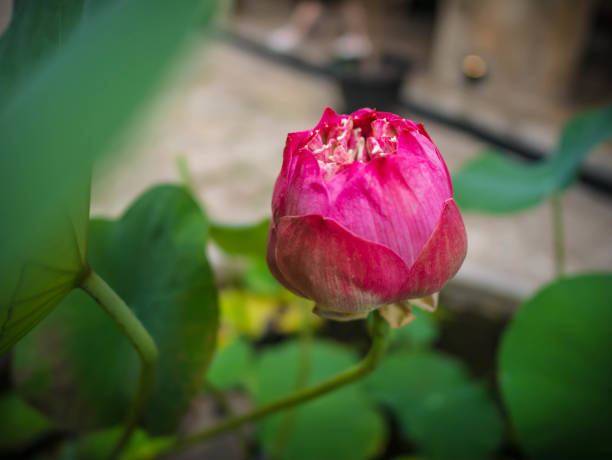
pixel 477 73
pixel 480 75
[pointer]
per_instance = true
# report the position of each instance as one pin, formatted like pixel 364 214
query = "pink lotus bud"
pixel 363 215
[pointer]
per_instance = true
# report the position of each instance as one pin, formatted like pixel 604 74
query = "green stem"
pixel 558 234
pixel 140 339
pixel 182 167
pixel 380 333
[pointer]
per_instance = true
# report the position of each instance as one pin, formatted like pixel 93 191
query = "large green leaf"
pixel 556 369
pixel 35 277
pixel 460 422
pixel 69 89
pixel 444 414
pixel 404 377
pixel 71 109
pixel 41 275
pixel 80 368
pixel 342 424
pixel 494 183
pixel 37 30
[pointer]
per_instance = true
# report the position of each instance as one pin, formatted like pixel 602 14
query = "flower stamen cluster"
pixel 336 146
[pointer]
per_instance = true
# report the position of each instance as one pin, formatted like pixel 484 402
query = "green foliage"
pixel 230 365
pixel 340 425
pixel 249 242
pixel 21 424
pixel 404 377
pixel 460 422
pixel 493 183
pixel 70 84
pixel 439 409
pixel 98 445
pixel 556 369
pixel 79 366
pixel 258 279
pixel 243 240
pixel 249 314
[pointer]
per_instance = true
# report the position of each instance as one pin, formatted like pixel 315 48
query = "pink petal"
pixel 292 144
pixel 417 142
pixel 364 113
pixel 394 200
pixel 441 257
pixel 429 149
pixel 335 268
pixel 271 259
pixel 299 188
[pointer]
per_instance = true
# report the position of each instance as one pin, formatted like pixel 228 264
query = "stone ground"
pixel 227 112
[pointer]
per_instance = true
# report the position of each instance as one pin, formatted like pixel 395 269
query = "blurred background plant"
pixel 516 361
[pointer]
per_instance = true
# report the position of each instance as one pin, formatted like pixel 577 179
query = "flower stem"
pixel 182 167
pixel 558 234
pixel 379 332
pixel 140 339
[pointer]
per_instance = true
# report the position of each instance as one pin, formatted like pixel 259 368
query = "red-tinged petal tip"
pixel 329 117
pixel 441 256
pixel 294 142
pixel 340 271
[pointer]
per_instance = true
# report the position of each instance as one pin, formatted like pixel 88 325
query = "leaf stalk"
pixel 140 339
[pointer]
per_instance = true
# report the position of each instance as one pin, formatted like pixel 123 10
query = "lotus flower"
pixel 363 215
